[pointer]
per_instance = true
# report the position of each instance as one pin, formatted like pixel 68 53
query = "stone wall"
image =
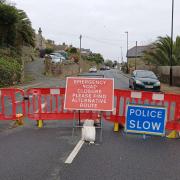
pixel 164 71
pixel 28 54
pixel 67 68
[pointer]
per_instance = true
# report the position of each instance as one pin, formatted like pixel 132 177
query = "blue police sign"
pixel 145 119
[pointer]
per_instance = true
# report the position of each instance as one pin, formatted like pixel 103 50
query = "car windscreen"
pixel 146 74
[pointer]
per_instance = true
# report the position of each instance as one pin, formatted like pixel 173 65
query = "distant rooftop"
pixel 140 51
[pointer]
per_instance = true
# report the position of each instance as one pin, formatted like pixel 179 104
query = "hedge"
pixel 10 71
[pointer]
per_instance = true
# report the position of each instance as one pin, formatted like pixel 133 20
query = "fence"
pixel 11 103
pixel 48 104
pixel 123 97
pixel 164 71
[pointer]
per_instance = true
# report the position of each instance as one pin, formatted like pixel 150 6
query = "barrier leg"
pixel 40 123
pixel 172 135
pixel 116 127
pixel 19 119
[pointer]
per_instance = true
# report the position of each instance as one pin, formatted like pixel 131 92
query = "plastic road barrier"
pixel 11 103
pixel 48 104
pixel 124 97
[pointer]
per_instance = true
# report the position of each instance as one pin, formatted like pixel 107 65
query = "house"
pixel 62 47
pixel 86 52
pixel 135 57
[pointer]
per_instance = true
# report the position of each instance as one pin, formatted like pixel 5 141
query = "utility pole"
pixel 80 54
pixel 121 55
pixel 171 55
pixel 127 51
pixel 136 55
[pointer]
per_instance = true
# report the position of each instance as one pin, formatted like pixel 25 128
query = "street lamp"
pixel 121 55
pixel 136 55
pixel 80 37
pixel 171 55
pixel 127 52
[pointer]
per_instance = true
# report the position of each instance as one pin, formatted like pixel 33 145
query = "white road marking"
pixel 75 151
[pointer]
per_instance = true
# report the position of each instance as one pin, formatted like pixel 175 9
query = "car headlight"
pixel 157 83
pixel 138 82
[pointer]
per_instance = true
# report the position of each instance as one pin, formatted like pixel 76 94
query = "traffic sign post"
pixel 91 94
pixel 146 119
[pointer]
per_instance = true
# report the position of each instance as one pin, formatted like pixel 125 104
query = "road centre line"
pixel 75 151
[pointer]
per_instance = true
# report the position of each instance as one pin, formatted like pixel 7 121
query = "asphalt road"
pixel 29 153
pixel 120 81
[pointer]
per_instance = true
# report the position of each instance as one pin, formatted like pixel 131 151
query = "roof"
pixel 140 51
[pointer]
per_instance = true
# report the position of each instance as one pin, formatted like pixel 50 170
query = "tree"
pixel 108 63
pixel 115 63
pixel 72 50
pixel 25 35
pixel 96 57
pixel 8 20
pixel 15 27
pixel 161 52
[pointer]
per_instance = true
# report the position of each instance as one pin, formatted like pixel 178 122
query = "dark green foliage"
pixel 108 63
pixel 15 27
pixel 161 52
pixel 10 54
pixel 15 32
pixel 49 50
pixel 72 50
pixel 10 71
pixel 25 35
pixel 96 57
pixel 8 20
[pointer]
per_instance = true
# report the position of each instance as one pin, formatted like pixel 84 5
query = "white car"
pixel 59 56
pixel 55 59
pixel 93 69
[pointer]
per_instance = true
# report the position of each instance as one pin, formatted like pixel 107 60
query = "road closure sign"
pixel 89 94
pixel 145 119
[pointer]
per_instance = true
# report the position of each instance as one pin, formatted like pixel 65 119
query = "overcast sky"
pixel 102 23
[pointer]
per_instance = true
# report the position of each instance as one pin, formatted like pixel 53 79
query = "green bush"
pixel 10 71
pixel 72 50
pixel 49 50
pixel 96 57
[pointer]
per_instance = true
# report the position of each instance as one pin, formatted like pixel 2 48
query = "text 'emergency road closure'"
pixel 89 94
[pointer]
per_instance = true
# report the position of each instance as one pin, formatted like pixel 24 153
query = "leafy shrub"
pixel 72 50
pixel 49 50
pixel 96 57
pixel 74 58
pixel 10 71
